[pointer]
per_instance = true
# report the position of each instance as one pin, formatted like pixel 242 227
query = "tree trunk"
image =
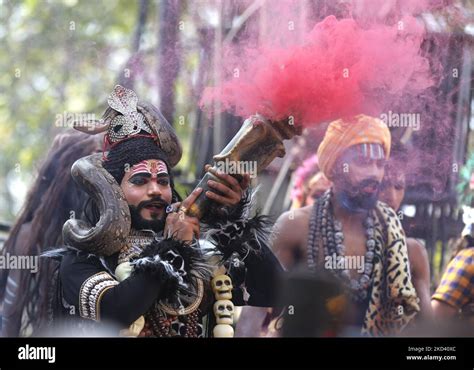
pixel 168 54
pixel 128 75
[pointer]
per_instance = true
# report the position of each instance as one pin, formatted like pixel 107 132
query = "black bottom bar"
pixel 429 353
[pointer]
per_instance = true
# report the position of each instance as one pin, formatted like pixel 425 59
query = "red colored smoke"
pixel 340 69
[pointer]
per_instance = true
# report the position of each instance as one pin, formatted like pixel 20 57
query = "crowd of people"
pixel 133 261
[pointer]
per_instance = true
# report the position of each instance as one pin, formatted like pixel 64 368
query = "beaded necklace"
pixel 323 227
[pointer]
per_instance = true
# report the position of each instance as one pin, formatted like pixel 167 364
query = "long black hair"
pixel 52 199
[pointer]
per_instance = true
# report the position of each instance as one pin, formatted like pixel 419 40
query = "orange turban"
pixel 342 134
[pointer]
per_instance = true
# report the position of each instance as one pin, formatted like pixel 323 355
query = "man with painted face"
pixel 348 224
pixel 148 274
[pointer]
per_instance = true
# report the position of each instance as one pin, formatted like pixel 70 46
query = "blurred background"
pixel 61 58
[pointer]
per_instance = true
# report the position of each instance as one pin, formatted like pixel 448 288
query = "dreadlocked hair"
pixel 131 151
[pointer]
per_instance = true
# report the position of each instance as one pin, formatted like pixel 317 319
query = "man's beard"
pixel 139 223
pixel 356 199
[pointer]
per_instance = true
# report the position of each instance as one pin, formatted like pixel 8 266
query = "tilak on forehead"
pixel 368 150
pixel 366 135
pixel 154 167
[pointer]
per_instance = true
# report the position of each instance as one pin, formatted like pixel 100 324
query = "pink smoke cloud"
pixel 340 69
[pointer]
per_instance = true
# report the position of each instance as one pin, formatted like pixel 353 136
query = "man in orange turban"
pixel 343 134
pixel 348 234
pixel 353 155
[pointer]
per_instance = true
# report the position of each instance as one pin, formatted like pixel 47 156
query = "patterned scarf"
pixel 393 301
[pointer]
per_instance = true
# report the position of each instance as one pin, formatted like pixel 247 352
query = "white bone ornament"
pixel 222 287
pixel 224 311
pixel 223 308
pixel 223 331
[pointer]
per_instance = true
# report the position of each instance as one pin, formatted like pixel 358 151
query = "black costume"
pixel 113 274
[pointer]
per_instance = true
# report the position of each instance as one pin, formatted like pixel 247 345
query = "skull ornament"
pixel 223 331
pixel 175 260
pixel 224 311
pixel 222 287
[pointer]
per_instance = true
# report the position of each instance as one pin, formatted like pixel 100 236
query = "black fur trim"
pixel 218 215
pixel 177 264
pixel 238 233
pixel 246 237
pixel 58 254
